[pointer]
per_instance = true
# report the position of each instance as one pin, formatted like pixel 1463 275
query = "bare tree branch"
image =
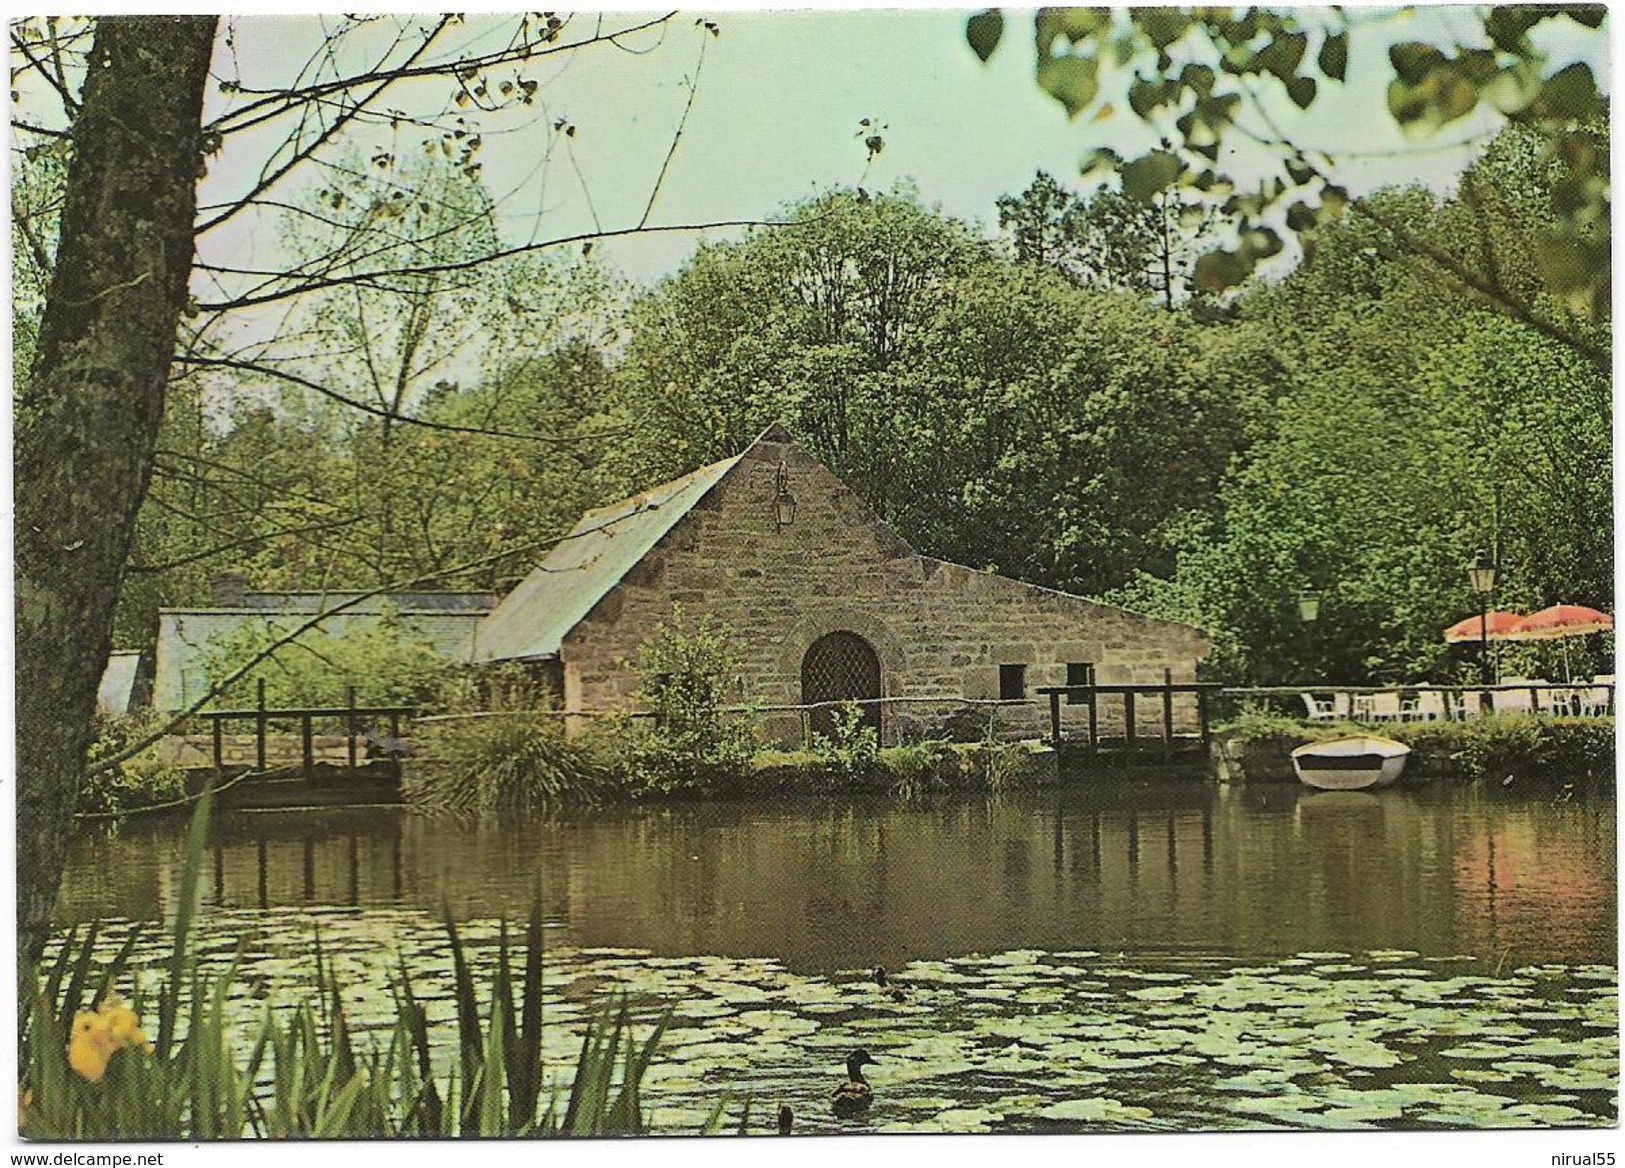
pixel 389 415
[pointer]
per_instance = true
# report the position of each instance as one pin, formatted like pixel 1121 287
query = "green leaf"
pixel 1162 26
pixel 1143 177
pixel 1198 79
pixel 1283 55
pixel 1074 24
pixel 1413 60
pixel 1073 81
pixel 1098 160
pixel 1569 94
pixel 983 32
pixel 1334 55
pixel 1302 91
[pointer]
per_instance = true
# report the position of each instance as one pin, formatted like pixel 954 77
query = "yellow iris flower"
pixel 98 1036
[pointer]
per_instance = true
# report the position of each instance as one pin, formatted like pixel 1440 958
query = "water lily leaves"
pixel 1286 1103
pixel 1360 1053
pixel 1160 993
pixel 1096 1111
pixel 1576 1079
pixel 963 1119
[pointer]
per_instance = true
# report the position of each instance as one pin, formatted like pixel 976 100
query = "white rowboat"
pixel 1350 764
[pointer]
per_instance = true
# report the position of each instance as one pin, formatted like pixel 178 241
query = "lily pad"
pixel 1096 1111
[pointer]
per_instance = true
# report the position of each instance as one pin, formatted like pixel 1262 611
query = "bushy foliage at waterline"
pixel 90 1072
pixel 1498 747
pixel 143 780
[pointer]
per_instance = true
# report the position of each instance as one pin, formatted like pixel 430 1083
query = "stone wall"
pixel 940 630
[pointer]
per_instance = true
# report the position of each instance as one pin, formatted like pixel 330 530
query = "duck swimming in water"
pixel 888 987
pixel 853 1097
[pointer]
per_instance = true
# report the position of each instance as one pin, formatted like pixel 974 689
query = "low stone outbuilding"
pixel 448 621
pixel 830 605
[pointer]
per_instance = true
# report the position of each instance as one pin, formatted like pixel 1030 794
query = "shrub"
pixel 1561 750
pixel 386 661
pixel 994 766
pixel 915 768
pixel 852 748
pixel 691 742
pixel 143 780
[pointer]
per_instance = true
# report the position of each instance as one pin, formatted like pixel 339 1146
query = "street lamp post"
pixel 1481 575
pixel 1309 613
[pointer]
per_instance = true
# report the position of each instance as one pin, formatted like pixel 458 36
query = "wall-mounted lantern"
pixel 784 503
pixel 1309 605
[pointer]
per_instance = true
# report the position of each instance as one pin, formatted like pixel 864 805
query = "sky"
pixel 777 115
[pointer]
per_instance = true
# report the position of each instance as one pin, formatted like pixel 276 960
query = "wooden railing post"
pixel 350 726
pixel 1094 713
pixel 259 727
pixel 305 737
pixel 1128 720
pixel 219 749
pixel 1202 718
pixel 1167 715
pixel 1055 719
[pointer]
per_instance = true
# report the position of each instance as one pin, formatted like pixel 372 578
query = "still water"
pixel 1138 955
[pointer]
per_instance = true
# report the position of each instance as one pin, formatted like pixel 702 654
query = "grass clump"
pixel 515 756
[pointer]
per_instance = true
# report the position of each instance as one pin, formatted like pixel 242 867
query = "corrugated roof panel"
pixel 533 620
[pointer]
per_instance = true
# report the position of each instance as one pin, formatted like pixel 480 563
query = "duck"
pixel 786 1118
pixel 888 987
pixel 852 1098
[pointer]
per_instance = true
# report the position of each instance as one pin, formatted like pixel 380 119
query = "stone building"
pixel 826 603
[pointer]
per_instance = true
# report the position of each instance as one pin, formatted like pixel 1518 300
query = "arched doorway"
pixel 840 667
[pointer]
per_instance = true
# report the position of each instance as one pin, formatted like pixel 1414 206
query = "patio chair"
pixel 1595 699
pixel 1320 709
pixel 1429 706
pixel 1515 701
pixel 1382 707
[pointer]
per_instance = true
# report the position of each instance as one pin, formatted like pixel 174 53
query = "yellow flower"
pixel 98 1037
pixel 91 1046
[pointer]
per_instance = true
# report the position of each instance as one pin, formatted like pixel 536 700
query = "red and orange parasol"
pixel 1560 620
pixel 1500 625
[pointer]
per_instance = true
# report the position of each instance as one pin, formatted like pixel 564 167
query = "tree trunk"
pixel 87 420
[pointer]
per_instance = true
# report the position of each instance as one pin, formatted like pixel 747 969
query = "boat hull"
pixel 1350 764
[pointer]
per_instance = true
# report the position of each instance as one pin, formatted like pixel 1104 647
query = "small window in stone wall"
pixel 1012 683
pixel 1079 673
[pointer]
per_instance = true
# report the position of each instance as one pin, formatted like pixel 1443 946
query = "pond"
pixel 1138 955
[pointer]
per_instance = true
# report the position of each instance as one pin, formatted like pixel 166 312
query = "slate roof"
pixel 532 621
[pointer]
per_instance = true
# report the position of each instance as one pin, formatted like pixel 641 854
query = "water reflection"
pixel 1136 867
